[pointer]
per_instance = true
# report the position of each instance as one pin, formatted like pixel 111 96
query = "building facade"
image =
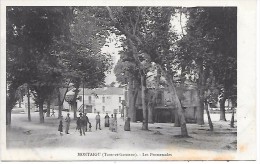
pixel 164 110
pixel 103 100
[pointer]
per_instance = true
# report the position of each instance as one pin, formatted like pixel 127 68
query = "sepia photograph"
pixel 137 82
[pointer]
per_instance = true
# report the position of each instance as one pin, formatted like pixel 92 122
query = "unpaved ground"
pixel 24 134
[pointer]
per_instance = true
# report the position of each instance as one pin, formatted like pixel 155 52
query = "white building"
pixel 103 100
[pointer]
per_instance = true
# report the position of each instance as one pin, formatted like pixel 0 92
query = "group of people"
pixel 67 124
pixel 111 123
pixel 83 123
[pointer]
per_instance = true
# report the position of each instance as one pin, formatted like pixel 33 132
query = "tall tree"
pixel 83 58
pixel 127 73
pixel 31 34
pixel 137 24
pixel 210 45
pixel 159 44
pixel 50 41
pixel 125 20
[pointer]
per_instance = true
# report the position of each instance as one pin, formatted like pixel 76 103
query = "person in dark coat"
pixel 80 123
pixel 60 129
pixel 107 120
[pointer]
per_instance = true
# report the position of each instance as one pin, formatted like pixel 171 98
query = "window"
pixel 103 99
pixel 103 109
pixel 119 99
pixel 120 109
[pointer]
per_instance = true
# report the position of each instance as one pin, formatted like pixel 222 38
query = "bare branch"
pixel 136 22
pixel 111 14
pixel 126 32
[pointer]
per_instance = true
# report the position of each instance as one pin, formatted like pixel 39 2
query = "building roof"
pixel 100 91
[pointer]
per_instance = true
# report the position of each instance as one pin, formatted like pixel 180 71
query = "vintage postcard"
pixel 128 81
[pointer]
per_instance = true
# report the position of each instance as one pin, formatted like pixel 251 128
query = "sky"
pixel 112 47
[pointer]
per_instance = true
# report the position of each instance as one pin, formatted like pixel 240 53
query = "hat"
pixel 80 114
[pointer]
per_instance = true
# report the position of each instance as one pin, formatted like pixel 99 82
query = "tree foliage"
pixel 210 49
pixel 48 47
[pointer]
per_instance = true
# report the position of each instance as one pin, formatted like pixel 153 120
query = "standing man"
pixel 67 123
pixel 84 122
pixel 80 124
pixel 98 120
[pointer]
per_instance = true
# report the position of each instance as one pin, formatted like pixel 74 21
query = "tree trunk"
pixel 8 116
pixel 176 119
pixel 29 108
pixel 10 103
pixel 143 84
pixel 129 100
pixel 74 101
pixel 134 103
pixel 144 106
pixel 233 113
pixel 180 112
pixel 209 119
pixel 200 113
pixel 232 118
pixel 150 106
pixel 132 97
pixel 20 102
pixel 60 105
pixel 222 109
pixel 48 107
pixel 150 112
pixel 201 86
pixel 74 109
pixel 41 111
pixel 8 113
pixel 60 111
